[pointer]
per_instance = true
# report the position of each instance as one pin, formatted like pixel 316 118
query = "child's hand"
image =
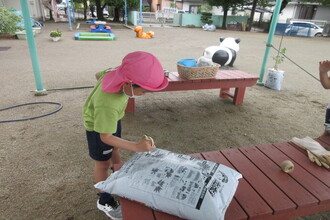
pixel 324 67
pixel 145 144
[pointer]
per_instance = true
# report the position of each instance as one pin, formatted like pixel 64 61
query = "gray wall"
pixel 34 7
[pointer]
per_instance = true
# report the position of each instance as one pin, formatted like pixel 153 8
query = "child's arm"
pixel 142 146
pixel 324 68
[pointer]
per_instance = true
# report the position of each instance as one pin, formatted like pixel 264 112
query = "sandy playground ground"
pixel 45 170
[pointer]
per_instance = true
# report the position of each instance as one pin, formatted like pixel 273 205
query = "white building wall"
pixel 286 14
pixel 185 6
pixel 322 13
pixel 34 7
pixel 12 4
pixel 219 11
pixel 290 12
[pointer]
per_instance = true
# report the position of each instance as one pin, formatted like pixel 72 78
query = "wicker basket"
pixel 205 72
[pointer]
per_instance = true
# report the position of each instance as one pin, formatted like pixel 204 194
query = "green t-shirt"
pixel 102 111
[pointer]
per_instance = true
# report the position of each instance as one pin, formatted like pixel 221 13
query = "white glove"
pixel 316 153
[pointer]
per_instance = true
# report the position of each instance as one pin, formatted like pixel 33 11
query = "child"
pixel 139 73
pixel 324 68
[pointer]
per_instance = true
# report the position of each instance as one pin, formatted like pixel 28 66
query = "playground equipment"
pixel 225 54
pixel 91 21
pixel 94 36
pixel 100 27
pixel 141 34
pixel 210 27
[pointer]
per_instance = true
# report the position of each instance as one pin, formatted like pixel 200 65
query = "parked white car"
pixel 303 29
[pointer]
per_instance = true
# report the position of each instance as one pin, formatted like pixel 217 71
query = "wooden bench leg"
pixel 239 96
pixel 130 108
pixel 224 93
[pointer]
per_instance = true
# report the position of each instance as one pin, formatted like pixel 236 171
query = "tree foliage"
pixel 206 18
pixel 226 5
pixel 116 4
pixel 84 2
pixel 9 21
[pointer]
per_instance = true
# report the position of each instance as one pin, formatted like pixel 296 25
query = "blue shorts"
pixel 97 149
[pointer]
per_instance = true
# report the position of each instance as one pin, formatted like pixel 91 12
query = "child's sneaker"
pixel 327 127
pixel 112 210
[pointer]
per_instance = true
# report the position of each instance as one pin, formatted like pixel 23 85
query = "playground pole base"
pixel 40 93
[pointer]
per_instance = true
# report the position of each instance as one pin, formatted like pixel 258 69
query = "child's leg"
pixel 327 115
pixel 101 170
pixel 102 153
pixel 116 158
pixel 327 120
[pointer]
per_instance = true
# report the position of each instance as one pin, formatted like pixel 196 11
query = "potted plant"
pixel 275 75
pixel 55 35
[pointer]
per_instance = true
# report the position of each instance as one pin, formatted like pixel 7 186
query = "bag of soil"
pixel 177 184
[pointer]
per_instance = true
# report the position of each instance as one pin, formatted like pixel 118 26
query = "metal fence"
pixel 156 18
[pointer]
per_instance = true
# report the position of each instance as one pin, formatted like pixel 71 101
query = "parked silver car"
pixel 303 29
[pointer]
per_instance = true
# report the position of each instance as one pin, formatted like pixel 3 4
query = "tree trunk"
pixel 85 9
pixel 51 15
pixel 99 10
pixel 283 5
pixel 117 15
pixel 224 20
pixel 250 21
pixel 150 4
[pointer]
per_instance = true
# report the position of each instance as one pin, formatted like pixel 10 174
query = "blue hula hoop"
pixel 34 117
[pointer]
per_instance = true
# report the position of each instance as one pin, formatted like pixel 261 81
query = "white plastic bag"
pixel 274 79
pixel 177 184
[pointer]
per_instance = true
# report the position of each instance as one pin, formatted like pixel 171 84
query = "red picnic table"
pixel 264 192
pixel 224 80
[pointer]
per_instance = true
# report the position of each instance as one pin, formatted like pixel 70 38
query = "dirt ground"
pixel 45 170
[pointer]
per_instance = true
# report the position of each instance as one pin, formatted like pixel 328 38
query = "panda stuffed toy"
pixel 225 54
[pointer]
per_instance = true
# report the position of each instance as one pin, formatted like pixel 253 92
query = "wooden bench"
pixel 224 80
pixel 264 192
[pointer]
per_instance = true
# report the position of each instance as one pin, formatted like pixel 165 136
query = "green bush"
pixel 206 18
pixel 55 33
pixel 9 21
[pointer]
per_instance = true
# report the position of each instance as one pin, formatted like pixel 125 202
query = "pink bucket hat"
pixel 140 68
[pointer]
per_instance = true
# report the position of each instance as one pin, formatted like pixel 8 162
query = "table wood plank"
pixel 227 75
pixel 301 173
pixel 247 198
pixel 238 74
pixel 274 197
pixel 306 188
pixel 324 141
pixel 299 195
pixel 132 209
pixel 224 80
pixel 301 158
